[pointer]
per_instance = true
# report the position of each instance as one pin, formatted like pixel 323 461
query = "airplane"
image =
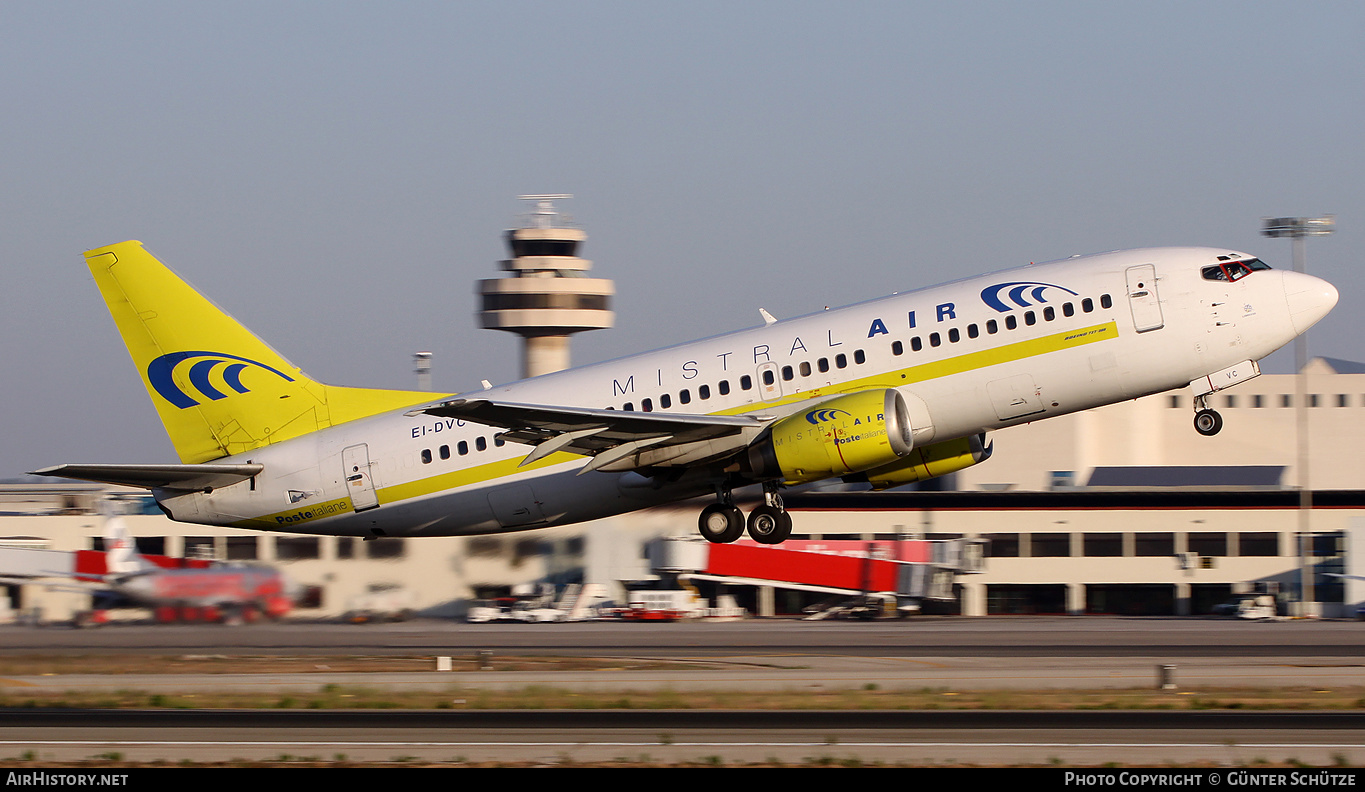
pixel 232 593
pixel 887 392
pixel 174 588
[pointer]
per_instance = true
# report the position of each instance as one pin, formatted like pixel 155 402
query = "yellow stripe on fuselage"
pixel 959 364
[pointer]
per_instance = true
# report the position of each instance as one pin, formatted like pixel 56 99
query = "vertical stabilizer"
pixel 120 553
pixel 218 388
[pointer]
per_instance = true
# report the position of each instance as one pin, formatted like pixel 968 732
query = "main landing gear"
pixel 768 523
pixel 1207 422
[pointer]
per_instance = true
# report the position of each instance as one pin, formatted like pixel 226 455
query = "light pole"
pixel 1297 229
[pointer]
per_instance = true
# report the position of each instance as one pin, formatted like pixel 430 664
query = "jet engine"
pixel 928 462
pixel 839 436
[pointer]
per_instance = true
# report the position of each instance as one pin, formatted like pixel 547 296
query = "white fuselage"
pixel 969 357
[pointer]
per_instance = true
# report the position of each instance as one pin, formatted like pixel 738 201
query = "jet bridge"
pixel 906 571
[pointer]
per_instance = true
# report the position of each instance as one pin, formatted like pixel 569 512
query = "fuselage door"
pixel 359 483
pixel 1143 299
pixel 515 505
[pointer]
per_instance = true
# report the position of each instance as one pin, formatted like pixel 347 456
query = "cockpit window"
pixel 1233 270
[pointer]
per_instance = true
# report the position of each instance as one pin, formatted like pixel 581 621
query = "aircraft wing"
pixel 635 439
pixel 176 477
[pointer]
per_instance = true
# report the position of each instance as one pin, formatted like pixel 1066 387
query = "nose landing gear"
pixel 1207 422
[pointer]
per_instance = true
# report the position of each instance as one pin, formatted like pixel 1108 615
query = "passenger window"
pixel 703 392
pixel 1030 319
pixel 462 448
pixel 481 443
pixel 973 331
pixel 724 387
pixel 768 377
pixel 788 374
pixel 1011 322
pixel 426 456
pixel 1068 309
pixel 445 452
pixel 684 397
pixel 934 340
pixel 1087 305
pixel 665 401
pixel 992 327
pixel 916 344
pixel 1105 301
pixel 1049 314
pixel 805 368
pixel 859 357
pixel 628 406
pixel 897 348
pixel 823 365
pixel 745 382
pixel 647 405
pixel 953 335
pixel 840 361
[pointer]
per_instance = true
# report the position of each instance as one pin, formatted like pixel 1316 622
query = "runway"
pixel 944 655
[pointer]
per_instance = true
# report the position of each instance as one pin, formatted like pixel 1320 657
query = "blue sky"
pixel 338 175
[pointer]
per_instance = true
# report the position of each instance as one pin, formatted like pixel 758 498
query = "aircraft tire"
pixel 721 523
pixel 1208 422
pixel 769 525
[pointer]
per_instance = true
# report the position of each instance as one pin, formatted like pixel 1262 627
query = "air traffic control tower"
pixel 548 296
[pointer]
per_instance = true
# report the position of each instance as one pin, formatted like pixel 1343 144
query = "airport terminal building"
pixel 1119 510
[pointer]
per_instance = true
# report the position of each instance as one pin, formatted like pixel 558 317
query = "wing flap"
pixel 614 434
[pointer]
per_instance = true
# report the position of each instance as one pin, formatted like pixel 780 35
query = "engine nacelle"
pixel 846 434
pixel 928 462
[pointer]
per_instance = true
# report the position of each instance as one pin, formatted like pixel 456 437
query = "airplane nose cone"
pixel 1309 299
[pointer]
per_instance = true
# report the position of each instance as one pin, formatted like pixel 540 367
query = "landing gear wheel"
pixel 769 525
pixel 1208 422
pixel 721 523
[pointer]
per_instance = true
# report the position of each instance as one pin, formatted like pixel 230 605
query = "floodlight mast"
pixel 1297 229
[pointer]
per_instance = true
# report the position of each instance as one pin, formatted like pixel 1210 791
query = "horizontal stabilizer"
pixel 176 477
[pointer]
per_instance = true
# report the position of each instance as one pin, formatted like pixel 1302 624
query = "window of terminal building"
pixel 1314 400
pixel 1102 545
pixel 1050 545
pixel 1230 400
pixel 346 547
pixel 1343 400
pixel 1258 544
pixel 199 547
pixel 241 548
pixel 1002 545
pixel 1257 400
pixel 1149 545
pixel 296 548
pixel 1174 403
pixel 385 548
pixel 1286 400
pixel 1208 543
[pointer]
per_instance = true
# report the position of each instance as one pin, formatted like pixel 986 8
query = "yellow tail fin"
pixel 219 389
